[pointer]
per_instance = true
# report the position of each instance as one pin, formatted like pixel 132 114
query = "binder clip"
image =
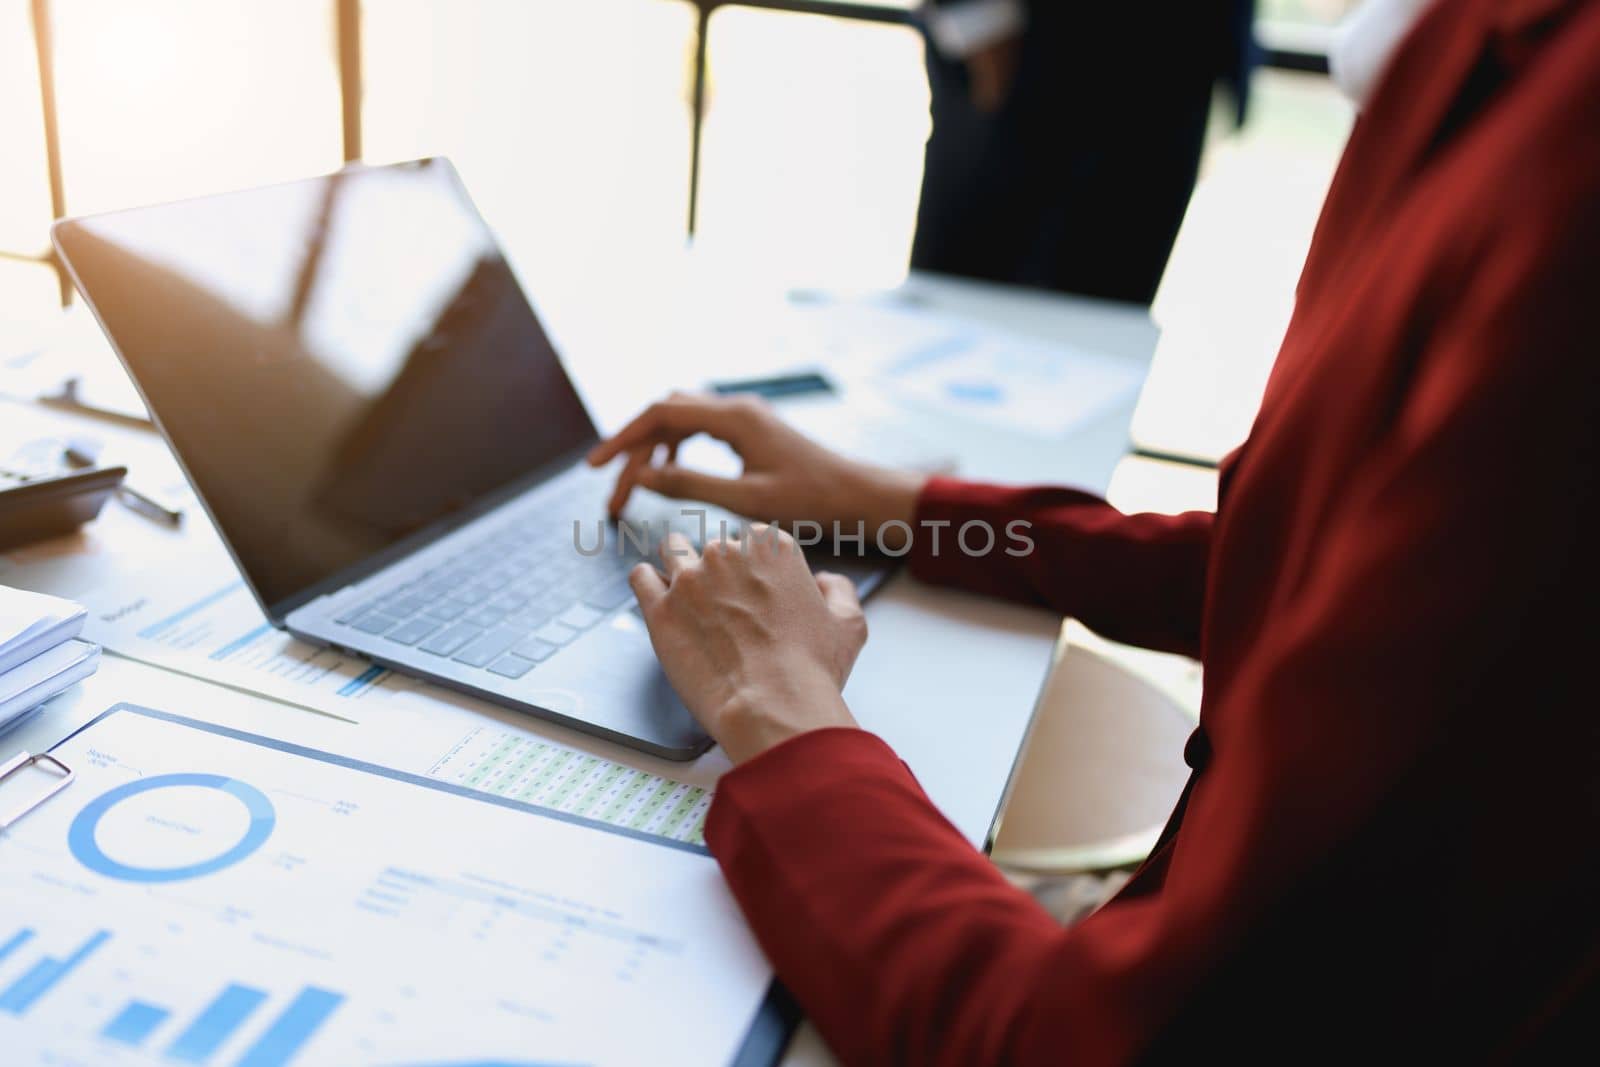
pixel 63 776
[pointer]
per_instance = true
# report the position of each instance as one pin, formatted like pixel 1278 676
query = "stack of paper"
pixel 39 653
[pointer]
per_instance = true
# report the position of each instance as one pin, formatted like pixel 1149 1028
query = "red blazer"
pixel 1391 840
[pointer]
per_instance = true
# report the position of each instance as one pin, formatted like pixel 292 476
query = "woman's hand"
pixel 787 476
pixel 757 646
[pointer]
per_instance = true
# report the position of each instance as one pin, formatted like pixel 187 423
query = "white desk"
pixel 959 727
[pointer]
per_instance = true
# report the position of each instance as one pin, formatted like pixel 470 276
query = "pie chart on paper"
pixel 171 827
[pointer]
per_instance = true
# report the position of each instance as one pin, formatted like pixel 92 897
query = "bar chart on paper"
pixel 136 1024
pixel 45 973
pixel 209 626
pixel 285 908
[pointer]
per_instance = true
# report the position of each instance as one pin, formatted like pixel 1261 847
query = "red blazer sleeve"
pixel 1390 713
pixel 1133 578
pixel 1366 739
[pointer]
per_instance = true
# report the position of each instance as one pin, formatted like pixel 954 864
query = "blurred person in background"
pixel 1067 136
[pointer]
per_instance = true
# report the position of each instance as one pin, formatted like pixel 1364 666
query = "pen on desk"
pixel 149 506
pixel 69 397
pixel 85 452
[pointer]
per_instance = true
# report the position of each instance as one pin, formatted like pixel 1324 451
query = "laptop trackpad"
pixel 610 677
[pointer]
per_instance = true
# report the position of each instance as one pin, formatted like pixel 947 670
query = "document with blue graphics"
pixel 202 621
pixel 204 896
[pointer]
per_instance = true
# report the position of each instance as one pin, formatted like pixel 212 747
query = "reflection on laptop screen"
pixel 338 362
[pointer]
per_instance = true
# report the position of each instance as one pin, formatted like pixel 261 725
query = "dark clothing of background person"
pixel 1079 179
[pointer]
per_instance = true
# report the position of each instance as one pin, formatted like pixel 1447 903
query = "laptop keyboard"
pixel 505 602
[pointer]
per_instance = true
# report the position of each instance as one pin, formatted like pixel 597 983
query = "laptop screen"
pixel 339 363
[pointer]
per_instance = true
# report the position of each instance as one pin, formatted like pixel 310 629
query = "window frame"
pixel 1288 52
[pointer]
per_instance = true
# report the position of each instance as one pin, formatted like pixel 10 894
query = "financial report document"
pixel 201 620
pixel 205 896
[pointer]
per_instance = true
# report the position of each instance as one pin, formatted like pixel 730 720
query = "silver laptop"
pixel 381 430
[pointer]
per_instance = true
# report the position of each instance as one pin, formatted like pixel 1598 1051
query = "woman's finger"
pixel 648 586
pixel 678 554
pixel 638 461
pixel 772 540
pixel 735 494
pixel 839 593
pixel 675 419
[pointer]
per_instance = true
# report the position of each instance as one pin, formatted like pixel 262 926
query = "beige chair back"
pixel 1100 773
